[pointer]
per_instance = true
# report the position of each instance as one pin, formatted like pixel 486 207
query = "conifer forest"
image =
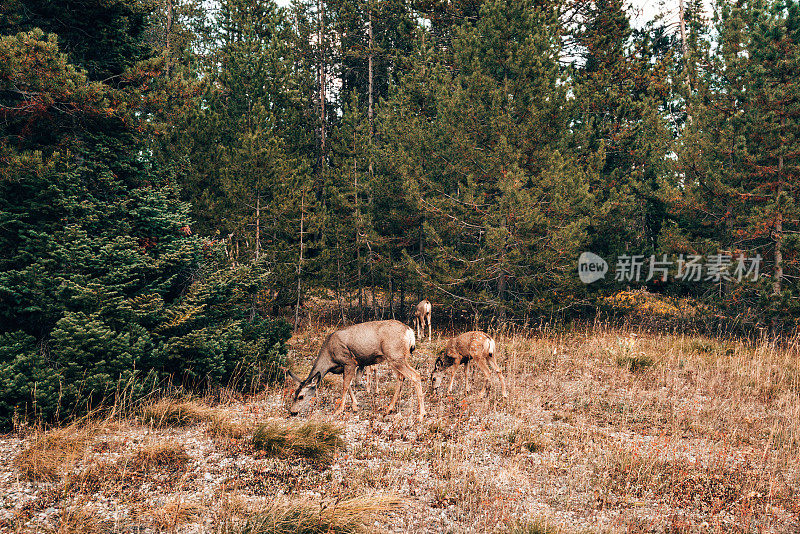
pixel 201 200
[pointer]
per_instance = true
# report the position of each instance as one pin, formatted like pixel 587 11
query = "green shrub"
pixel 532 527
pixel 104 289
pixel 89 312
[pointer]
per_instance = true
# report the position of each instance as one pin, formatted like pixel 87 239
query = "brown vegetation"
pixel 313 440
pixel 51 454
pixel 603 431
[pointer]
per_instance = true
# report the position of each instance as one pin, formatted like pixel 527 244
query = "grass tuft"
pixel 522 438
pixel 167 454
pixel 221 425
pixel 179 413
pixel 82 519
pixel 173 413
pixel 307 517
pixel 51 454
pixel 537 526
pixel 635 362
pixel 176 512
pixel 314 440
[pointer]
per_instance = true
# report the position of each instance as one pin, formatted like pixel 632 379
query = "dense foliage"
pixel 470 151
pixel 173 171
pixel 104 289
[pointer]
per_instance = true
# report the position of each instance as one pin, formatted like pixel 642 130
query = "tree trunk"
pixel 258 226
pixel 778 275
pixel 358 237
pixel 168 38
pixel 501 294
pixel 391 295
pixel 403 299
pixel 685 54
pixel 323 130
pixel 300 260
pixel 369 112
pixel 339 279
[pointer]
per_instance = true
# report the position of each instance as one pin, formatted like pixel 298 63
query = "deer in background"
pixel 422 316
pixel 357 347
pixel 470 348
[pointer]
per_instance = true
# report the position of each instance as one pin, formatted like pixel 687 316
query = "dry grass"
pixel 96 476
pixel 537 526
pixel 604 431
pixel 742 491
pixel 522 437
pixel 171 412
pixel 314 440
pixel 309 517
pixel 51 454
pixel 176 512
pixel 222 425
pixel 81 518
pixel 160 454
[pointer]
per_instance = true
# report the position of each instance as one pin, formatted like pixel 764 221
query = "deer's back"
pixel 374 338
pixel 470 344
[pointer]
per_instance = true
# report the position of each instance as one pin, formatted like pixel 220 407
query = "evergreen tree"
pixel 502 218
pixel 103 286
pixel 621 137
pixel 740 150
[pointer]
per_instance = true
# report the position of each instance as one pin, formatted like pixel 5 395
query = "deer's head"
pixel 306 390
pixel 443 361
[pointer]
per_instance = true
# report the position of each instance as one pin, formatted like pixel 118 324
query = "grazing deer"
pixel 469 348
pixel 359 346
pixel 422 316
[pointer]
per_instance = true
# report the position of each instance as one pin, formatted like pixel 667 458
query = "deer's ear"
pixel 292 375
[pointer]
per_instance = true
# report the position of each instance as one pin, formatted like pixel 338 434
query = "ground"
pixel 604 431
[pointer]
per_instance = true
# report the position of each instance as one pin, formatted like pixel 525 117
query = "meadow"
pixel 605 430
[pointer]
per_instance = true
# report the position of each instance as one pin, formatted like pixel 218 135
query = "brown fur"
pixel 359 346
pixel 422 317
pixel 470 348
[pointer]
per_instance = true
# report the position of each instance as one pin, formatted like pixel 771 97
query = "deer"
pixel 469 348
pixel 355 347
pixel 422 316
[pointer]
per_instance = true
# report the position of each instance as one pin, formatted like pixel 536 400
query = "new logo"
pixel 591 267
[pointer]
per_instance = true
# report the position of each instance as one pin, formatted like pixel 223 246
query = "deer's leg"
pixel 430 335
pixel 353 401
pixel 486 373
pixel 496 368
pixel 467 377
pixel 398 387
pixel 409 372
pixel 347 379
pixel 371 382
pixel 368 379
pixel 453 370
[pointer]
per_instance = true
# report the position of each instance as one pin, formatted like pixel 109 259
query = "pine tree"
pixel 501 218
pixel 621 135
pixel 103 286
pixel 740 150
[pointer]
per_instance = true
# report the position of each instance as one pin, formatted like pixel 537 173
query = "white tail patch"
pixel 411 339
pixel 490 348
